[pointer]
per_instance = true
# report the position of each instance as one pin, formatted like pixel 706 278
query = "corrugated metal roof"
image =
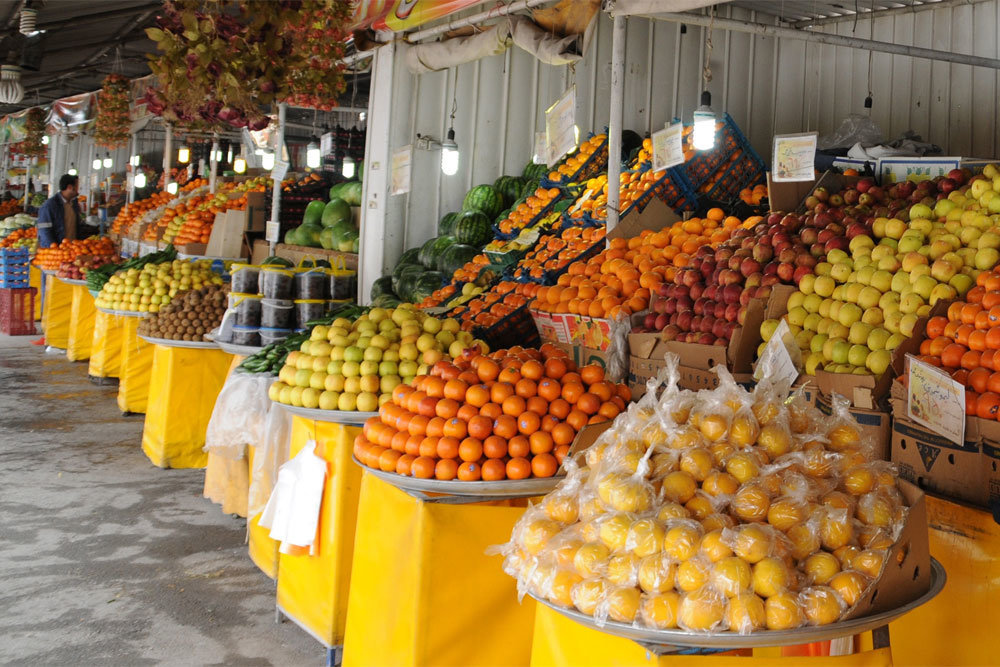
pixel 816 12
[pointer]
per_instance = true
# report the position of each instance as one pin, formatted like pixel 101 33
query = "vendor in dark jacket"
pixel 60 215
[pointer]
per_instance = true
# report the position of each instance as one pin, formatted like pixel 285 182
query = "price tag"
pixel 781 358
pixel 272 231
pixel 667 148
pixel 560 126
pixel 326 143
pixel 935 400
pixel 794 157
pixel 400 173
pixel 279 170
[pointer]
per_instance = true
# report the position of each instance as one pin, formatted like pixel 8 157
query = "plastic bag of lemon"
pixel 712 511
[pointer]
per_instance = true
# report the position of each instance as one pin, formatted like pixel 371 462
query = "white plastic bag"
pixel 238 416
pixel 271 452
pixel 292 513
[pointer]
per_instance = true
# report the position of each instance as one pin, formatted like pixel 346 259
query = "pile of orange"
pixel 510 415
pixel 565 171
pixel 52 258
pixel 438 296
pixel 10 207
pixel 467 274
pixel 553 253
pixel 522 216
pixel 487 309
pixel 133 212
pixel 17 235
pixel 722 170
pixel 755 195
pixel 620 280
pixel 966 344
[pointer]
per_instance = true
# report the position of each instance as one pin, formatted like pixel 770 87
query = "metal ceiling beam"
pixel 55 24
pixel 879 13
pixel 453 24
pixel 780 32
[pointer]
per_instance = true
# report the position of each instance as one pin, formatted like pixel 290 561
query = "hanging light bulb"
pixel 108 162
pixel 29 19
pixel 267 160
pixel 704 124
pixel 449 154
pixel 229 159
pixel 313 156
pixel 45 140
pixel 72 169
pixel 239 165
pixel 183 154
pixel 347 169
pixel 11 88
pixel 218 156
pixel 97 163
pixel 172 187
pixel 135 160
pixel 140 180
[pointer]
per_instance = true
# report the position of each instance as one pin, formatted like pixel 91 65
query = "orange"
pixel 988 405
pixel 404 464
pixel 456 428
pixel 518 446
pixel 526 388
pixel 480 428
pixel 951 356
pixel 505 426
pixel 608 411
pixel 572 391
pixel 423 467
pixel 563 434
pixel 446 469
pixel 435 426
pixel 528 422
pixel 495 447
pixel 387 460
pixel 493 470
pixel 577 419
pixel 993 338
pixel 532 370
pixel 500 391
pixel 543 465
pixel 487 369
pixel 978 379
pixel 447 408
pixel 469 471
pixel 518 468
pixel 434 386
pixel 513 406
pixel 477 395
pixel 455 389
pixel 470 449
pixel 560 408
pixel 510 375
pixel 538 405
pixel 970 360
pixel 540 442
pixel 467 412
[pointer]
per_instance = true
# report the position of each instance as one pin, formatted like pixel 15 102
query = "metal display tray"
pixel 189 344
pixel 123 313
pixel 239 350
pixel 507 488
pixel 72 281
pixel 332 416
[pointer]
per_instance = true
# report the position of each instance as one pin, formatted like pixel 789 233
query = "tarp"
pixel 106 346
pixel 400 15
pixel 81 325
pixel 74 112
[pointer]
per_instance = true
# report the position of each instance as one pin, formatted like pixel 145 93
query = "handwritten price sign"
pixel 935 400
pixel 794 157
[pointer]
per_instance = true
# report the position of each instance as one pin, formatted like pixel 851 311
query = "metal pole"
pixel 503 10
pixel 134 168
pixel 168 150
pixel 615 120
pixel 213 164
pixel 826 38
pixel 27 180
pixel 279 144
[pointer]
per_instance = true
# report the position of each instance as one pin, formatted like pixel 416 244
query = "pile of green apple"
pixel 855 309
pixel 354 366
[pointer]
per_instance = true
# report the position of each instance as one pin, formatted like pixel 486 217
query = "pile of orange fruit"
pixel 755 195
pixel 10 207
pixel 487 309
pixel 553 253
pixel 18 235
pixel 133 212
pixel 522 216
pixel 619 280
pixel 510 415
pixel 470 271
pixel 50 259
pixel 438 296
pixel 568 169
pixel 966 344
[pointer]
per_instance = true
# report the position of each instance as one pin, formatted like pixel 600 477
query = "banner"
pixel 400 15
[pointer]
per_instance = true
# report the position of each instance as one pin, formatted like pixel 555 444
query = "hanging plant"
pixel 34 131
pixel 225 63
pixel 113 122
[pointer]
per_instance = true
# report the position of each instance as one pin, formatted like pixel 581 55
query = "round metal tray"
pixel 123 313
pixel 507 488
pixel 71 281
pixel 239 350
pixel 732 640
pixel 190 344
pixel 332 416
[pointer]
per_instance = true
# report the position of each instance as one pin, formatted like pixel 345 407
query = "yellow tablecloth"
pixel 81 324
pixel 136 366
pixel 56 313
pixel 106 346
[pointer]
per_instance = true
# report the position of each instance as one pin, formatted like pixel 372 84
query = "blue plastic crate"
pixel 11 283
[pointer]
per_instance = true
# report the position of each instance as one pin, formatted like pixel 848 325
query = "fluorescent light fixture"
pixel 108 162
pixel 267 161
pixel 172 187
pixel 218 156
pixel 362 115
pixel 239 165
pixel 135 160
pixel 449 154
pixel 348 167
pixel 97 163
pixel 230 158
pixel 72 169
pixel 45 140
pixel 704 124
pixel 183 154
pixel 140 180
pixel 313 156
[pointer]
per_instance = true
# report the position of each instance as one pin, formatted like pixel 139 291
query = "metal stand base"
pixel 103 381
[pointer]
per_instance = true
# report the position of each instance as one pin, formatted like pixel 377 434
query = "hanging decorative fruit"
pixel 34 131
pixel 113 122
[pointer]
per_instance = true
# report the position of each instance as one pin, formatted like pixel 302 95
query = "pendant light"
pixel 140 180
pixel 108 162
pixel 11 89
pixel 240 165
pixel 703 137
pixel 72 169
pixel 313 156
pixel 183 155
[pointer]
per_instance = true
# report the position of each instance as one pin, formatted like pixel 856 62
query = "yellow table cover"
pixel 423 590
pixel 106 346
pixel 81 325
pixel 57 310
pixel 35 280
pixel 136 366
pixel 263 550
pixel 183 386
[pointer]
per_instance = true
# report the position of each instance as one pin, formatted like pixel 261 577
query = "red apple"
pixel 800 271
pixel 720 309
pixel 732 312
pixel 670 332
pixel 770 279
pixel 684 320
pixel 661 322
pixel 786 271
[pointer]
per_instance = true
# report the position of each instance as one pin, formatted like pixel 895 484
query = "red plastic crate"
pixel 17 311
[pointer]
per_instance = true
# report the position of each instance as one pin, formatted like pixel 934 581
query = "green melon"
pixel 447 224
pixel 474 228
pixel 483 198
pixel 509 188
pixel 426 284
pixel 456 257
pixel 529 187
pixel 336 211
pixel 314 211
pixel 382 286
pixel 409 257
pixel 534 171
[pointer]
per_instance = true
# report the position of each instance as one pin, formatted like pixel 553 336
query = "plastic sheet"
pixel 239 414
pixel 270 451
pixel 184 384
pixel 80 335
pixel 856 128
pixel 292 512
pixel 136 366
pixel 422 590
pixel 106 346
pixel 58 308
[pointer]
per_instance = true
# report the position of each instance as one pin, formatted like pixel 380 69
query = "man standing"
pixel 59 216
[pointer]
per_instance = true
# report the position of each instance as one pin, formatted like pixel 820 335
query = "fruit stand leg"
pixel 81 325
pixel 560 641
pixel 312 590
pixel 263 550
pixel 967 612
pixel 136 364
pixel 106 346
pixel 35 280
pixel 424 592
pixel 58 304
pixel 183 386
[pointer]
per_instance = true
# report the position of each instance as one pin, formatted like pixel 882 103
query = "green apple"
pixel 899 280
pixel 961 282
pixel 823 269
pixel 859 332
pixel 989 240
pixel 302 377
pixel 318 380
pixel 796 299
pixel 824 307
pixel 838 330
pixel 895 228
pixel 839 293
pixel 806 284
pixel 812 321
pixel 350 369
pixel 857 355
pixel 310 398
pixel 892 244
pixel 446 338
pixel 923 286
pixel 881 281
pixel 814 362
pixel 797 316
pixel 862 261
pixel 881 251
pixel 408 352
pixel 920 211
pixel 878 227
pixel 859 243
pixel 841 351
pixel 328 400
pixel 368 368
pixel 824 326
pixel 911 302
pixel 877 339
pixel 907 324
pixel 841 271
pixel 408 368
pixel 387 368
pixel 869 297
pixel 295 396
pixel 812 303
pixel 939 292
pixel 352 385
pixel 451 324
pixel 816 342
pixel 911 243
pixel 320 363
pixel 388 382
pixel 918 272
pixel 335 383
pixel 767 328
pixel 835 309
pixel 347 402
pixel 894 341
pixel 986 258
pixel 373 353
pixel 803 339
pixel 892 320
pixel 367 401
pixel 865 274
pixel 852 292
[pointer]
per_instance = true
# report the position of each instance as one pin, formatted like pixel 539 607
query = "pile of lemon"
pixel 712 511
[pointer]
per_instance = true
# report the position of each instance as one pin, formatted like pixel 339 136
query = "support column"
pixel 168 154
pixel 279 145
pixel 615 120
pixel 213 164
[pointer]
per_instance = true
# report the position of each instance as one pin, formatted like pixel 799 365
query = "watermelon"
pixel 502 215
pixel 326 240
pixel 430 251
pixel 474 228
pixel 345 236
pixel 382 286
pixel 336 210
pixel 409 257
pixel 314 211
pixel 350 192
pixel 425 285
pixel 447 224
pixel 292 236
pixel 483 198
pixel 276 261
pixel 530 185
pixel 309 235
pixel 385 301
pixel 534 171
pixel 426 254
pixel 509 188
pixel 404 279
pixel 455 257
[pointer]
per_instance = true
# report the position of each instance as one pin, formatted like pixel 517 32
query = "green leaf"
pixel 155 34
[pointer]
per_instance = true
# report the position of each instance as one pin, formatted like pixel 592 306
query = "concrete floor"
pixel 105 559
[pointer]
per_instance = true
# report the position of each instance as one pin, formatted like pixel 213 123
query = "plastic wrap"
pixel 856 128
pixel 271 452
pixel 239 415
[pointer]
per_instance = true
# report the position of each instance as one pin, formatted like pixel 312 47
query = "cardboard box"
pixel 226 239
pixel 787 196
pixel 257 212
pixel 296 253
pixel 552 327
pixel 895 169
pixel 198 249
pixel 936 464
pixel 875 426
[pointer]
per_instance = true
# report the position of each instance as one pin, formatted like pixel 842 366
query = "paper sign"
pixel 935 400
pixel 279 170
pixel 781 358
pixel 667 148
pixel 400 175
pixel 794 157
pixel 272 231
pixel 326 144
pixel 896 169
pixel 560 126
pixel 541 151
